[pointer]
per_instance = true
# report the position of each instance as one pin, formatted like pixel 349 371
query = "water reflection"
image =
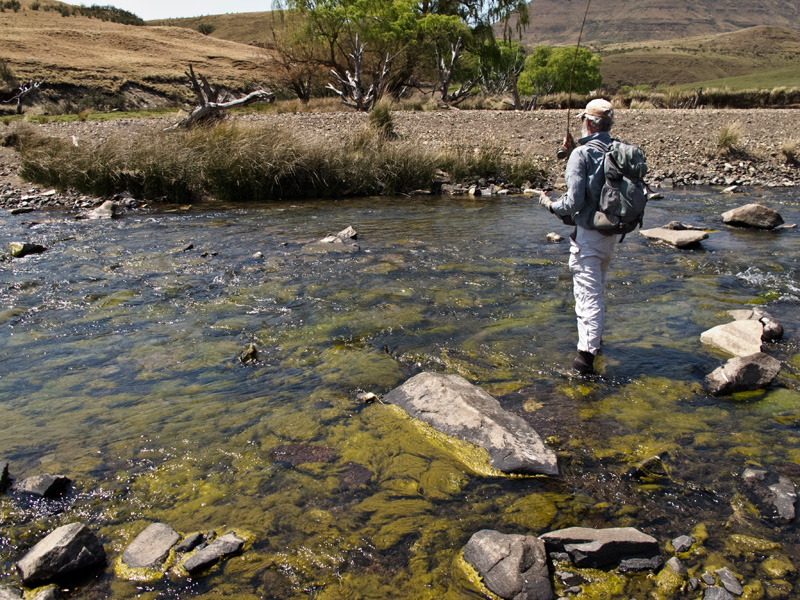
pixel 119 368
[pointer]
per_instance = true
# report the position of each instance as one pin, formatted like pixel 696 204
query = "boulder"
pixel 772 494
pixel 772 329
pixel 47 486
pixel 150 548
pixel 107 210
pixel 511 566
pixel 66 550
pixel 348 233
pixel 455 407
pixel 680 238
pixel 49 593
pixel 10 593
pixel 753 215
pixel 22 249
pixel 223 546
pixel 739 338
pixel 5 479
pixel 554 238
pixel 717 593
pixel 754 372
pixel 729 581
pixel 600 547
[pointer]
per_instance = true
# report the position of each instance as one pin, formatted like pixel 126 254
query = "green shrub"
pixel 380 119
pixel 35 5
pixel 206 28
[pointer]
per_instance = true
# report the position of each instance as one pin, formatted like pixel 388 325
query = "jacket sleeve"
pixel 576 174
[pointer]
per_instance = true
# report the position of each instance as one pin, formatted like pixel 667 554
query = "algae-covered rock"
pixel 533 513
pixel 778 567
pixel 455 407
pixel 46 486
pixel 748 547
pixel 22 249
pixel 511 566
pixel 66 550
pixel 774 495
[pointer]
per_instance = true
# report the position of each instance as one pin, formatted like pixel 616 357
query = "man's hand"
pixel 568 145
pixel 545 201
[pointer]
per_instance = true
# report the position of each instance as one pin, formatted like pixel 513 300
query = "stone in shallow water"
pixel 299 454
pixel 10 593
pixel 675 237
pixel 47 486
pixel 223 546
pixel 754 372
pixel 753 215
pixel 600 547
pixel 149 549
pixel 5 479
pixel 455 407
pixel 511 566
pixel 354 475
pixel 683 543
pixel 22 249
pixel 739 338
pixel 66 550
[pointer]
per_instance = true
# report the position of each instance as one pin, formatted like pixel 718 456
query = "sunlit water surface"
pixel 118 368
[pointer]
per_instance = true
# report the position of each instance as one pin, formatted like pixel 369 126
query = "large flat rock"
pixel 151 546
pixel 680 238
pixel 599 547
pixel 743 373
pixel 455 407
pixel 739 338
pixel 66 550
pixel 223 546
pixel 753 215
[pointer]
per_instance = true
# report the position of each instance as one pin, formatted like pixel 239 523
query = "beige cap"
pixel 599 109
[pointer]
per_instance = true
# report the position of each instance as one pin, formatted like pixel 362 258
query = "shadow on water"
pixel 119 368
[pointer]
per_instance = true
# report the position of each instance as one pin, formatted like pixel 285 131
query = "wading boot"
pixel 584 363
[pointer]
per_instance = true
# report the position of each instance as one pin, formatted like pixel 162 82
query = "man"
pixel 590 250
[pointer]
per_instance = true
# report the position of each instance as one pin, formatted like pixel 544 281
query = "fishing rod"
pixel 562 153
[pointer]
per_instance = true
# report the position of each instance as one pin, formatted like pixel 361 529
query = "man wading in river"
pixel 590 250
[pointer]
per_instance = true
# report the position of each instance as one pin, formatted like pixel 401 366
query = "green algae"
pixel 777 567
pixel 750 548
pixel 533 513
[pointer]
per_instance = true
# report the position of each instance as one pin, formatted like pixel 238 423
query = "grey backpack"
pixel 624 196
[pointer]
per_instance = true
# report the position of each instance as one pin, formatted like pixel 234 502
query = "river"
pixel 119 369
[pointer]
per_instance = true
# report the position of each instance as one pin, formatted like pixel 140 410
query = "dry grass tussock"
pixel 232 162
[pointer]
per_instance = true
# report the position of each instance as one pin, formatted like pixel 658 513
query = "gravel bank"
pixel 679 144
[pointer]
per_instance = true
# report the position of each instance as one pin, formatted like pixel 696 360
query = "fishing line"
pixel 572 73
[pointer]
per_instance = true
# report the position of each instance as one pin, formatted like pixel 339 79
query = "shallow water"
pixel 118 368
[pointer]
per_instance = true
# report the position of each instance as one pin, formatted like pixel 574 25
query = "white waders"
pixel 590 255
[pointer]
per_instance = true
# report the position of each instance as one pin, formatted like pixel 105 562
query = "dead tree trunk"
pixel 352 92
pixel 213 102
pixel 446 73
pixel 24 90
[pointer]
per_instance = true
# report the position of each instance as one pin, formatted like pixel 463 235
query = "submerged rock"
pixel 223 546
pixel 66 550
pixel 683 543
pixel 22 249
pixel 753 215
pixel 680 238
pixel 717 593
pixel 729 581
pixel 10 593
pixel 107 210
pixel 739 338
pixel 249 354
pixel 150 548
pixel 455 407
pixel 743 373
pixel 354 475
pixel 190 543
pixel 511 566
pixel 601 547
pixel 47 486
pixel 772 494
pixel 300 454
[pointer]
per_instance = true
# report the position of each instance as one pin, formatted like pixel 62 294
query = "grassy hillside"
pixel 78 57
pixel 244 28
pixel 758 57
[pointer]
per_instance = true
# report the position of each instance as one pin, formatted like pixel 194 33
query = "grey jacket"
pixel 585 179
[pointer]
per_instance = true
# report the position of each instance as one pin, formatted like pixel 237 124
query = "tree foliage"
pixel 548 70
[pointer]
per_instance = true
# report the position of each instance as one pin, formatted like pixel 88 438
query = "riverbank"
pixel 681 145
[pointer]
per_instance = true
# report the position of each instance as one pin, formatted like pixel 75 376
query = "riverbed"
pixel 119 368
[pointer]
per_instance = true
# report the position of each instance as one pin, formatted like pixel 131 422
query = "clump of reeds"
pixel 232 162
pixel 728 139
pixel 790 150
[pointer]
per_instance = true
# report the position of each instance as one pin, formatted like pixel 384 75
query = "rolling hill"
pixel 558 22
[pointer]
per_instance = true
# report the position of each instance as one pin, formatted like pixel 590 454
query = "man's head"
pixel 597 116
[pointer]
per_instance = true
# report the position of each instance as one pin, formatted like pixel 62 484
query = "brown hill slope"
pixel 676 62
pixel 77 56
pixel 557 22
